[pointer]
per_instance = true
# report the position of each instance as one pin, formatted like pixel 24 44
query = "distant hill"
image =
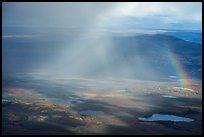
pixel 153 50
pixel 143 56
pixel 188 36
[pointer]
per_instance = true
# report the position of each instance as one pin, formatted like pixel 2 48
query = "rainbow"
pixel 181 72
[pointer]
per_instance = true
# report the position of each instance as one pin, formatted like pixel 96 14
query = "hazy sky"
pixel 119 15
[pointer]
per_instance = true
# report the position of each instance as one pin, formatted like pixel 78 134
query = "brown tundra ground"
pixel 44 106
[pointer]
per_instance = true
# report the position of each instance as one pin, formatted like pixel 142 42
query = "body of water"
pixel 91 113
pixel 165 117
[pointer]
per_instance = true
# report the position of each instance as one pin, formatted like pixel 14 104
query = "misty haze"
pixel 102 68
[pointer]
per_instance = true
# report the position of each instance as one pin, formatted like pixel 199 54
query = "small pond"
pixel 168 96
pixel 81 126
pixel 8 99
pixel 91 113
pixel 165 117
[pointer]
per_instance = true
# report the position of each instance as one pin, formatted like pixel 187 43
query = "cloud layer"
pixel 77 15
